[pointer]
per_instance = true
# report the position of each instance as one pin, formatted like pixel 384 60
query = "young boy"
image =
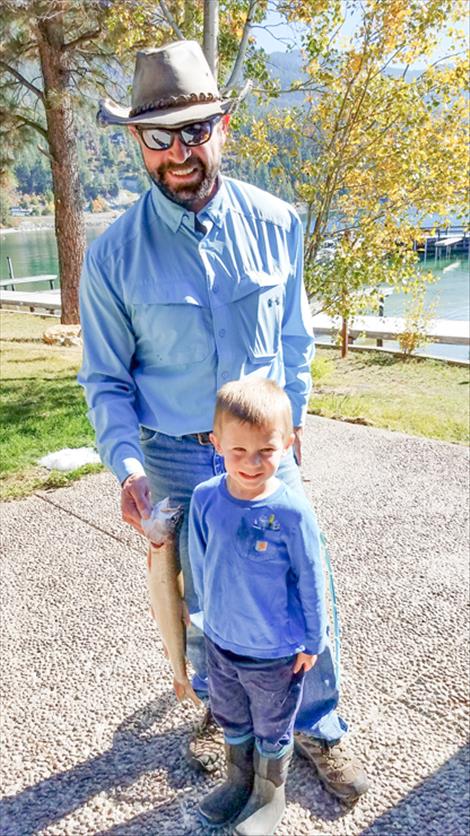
pixel 255 558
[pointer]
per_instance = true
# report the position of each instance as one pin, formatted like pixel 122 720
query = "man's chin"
pixel 185 194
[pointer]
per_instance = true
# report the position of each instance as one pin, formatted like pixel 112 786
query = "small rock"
pixel 63 335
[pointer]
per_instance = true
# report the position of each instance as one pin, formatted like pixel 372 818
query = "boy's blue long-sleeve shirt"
pixel 257 571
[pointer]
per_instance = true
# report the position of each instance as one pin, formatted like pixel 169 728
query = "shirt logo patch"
pixel 261 545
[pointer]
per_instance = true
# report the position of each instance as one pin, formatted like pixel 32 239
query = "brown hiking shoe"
pixel 206 745
pixel 340 772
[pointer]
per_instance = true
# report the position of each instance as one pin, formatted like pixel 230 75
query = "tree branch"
pixel 46 153
pixel 23 122
pixel 87 36
pixel 24 81
pixel 439 61
pixel 170 20
pixel 235 75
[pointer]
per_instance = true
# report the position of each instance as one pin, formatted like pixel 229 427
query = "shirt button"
pixel 224 375
pixel 215 289
pixel 222 332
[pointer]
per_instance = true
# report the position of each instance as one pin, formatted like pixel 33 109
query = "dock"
pixel 447 331
pixel 47 300
pixel 448 241
pixel 46 277
pixel 442 243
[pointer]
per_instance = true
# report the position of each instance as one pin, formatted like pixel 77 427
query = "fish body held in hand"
pixel 168 609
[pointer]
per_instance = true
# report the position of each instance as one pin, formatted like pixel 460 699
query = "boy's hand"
pixel 305 662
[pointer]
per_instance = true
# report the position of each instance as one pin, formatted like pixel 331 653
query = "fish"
pixel 165 585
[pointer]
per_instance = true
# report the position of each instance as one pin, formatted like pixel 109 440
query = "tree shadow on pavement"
pixel 437 806
pixel 136 750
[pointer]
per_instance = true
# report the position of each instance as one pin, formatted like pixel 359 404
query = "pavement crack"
pixel 121 540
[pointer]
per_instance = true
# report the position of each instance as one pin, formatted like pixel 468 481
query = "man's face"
pixel 186 175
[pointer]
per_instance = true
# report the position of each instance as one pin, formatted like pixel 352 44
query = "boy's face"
pixel 252 456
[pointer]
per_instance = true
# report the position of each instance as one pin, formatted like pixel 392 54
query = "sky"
pixel 278 35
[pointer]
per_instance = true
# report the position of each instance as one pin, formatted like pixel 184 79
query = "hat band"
pixel 175 101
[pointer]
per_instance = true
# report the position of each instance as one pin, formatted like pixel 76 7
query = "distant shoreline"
pixel 39 223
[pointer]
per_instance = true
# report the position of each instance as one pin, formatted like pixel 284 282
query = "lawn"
pixel 419 397
pixel 44 409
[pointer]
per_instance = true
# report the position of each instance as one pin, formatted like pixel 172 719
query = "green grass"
pixel 419 397
pixel 43 408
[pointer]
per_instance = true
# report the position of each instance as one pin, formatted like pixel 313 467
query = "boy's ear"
pixel 289 442
pixel 216 443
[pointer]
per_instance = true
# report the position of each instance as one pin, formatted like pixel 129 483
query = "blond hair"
pixel 254 401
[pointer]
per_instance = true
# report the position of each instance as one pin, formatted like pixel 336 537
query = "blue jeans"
pixel 174 466
pixel 254 698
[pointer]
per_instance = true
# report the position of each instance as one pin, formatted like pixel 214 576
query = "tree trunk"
pixel 189 19
pixel 69 221
pixel 236 75
pixel 211 34
pixel 344 337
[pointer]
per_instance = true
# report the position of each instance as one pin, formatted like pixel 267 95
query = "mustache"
pixel 193 162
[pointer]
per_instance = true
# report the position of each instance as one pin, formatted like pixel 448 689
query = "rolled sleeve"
pixel 108 350
pixel 297 332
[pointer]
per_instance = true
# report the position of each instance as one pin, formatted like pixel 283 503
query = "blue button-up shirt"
pixel 170 312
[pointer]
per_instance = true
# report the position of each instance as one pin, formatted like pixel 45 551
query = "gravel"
pixel 92 736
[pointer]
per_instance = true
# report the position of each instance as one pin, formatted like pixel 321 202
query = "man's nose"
pixel 254 459
pixel 179 152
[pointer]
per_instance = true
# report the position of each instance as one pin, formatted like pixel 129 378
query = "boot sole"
pixel 197 765
pixel 348 801
pixel 213 825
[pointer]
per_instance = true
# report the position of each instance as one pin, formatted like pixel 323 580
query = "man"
pixel 200 282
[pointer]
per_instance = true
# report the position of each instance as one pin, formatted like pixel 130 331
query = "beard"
pixel 186 194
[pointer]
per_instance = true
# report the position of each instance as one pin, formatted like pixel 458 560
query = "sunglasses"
pixel 160 139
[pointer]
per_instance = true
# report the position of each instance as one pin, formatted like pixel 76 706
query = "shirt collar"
pixel 173 214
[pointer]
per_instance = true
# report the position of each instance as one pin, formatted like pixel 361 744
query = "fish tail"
pixel 185 691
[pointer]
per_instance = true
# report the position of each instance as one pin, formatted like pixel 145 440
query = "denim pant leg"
pixel 274 694
pixel 317 715
pixel 228 698
pixel 174 466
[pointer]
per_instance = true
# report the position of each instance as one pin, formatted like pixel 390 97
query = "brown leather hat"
pixel 172 85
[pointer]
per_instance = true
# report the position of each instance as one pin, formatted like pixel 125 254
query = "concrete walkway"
pixel 92 735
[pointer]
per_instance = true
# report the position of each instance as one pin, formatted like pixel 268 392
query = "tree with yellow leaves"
pixel 386 147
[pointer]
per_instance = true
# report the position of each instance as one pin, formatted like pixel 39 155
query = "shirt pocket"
pixel 171 325
pixel 258 306
pixel 261 545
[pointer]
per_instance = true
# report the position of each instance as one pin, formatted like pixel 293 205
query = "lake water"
pixel 33 253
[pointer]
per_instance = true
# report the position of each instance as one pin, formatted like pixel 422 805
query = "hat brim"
pixel 110 113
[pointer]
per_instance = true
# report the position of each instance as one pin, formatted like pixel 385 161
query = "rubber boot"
pixel 225 802
pixel 267 802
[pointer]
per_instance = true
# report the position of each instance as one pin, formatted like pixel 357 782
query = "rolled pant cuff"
pixel 270 755
pixel 235 741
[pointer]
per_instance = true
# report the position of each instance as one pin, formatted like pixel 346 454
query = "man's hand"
pixel 305 662
pixel 298 432
pixel 135 500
